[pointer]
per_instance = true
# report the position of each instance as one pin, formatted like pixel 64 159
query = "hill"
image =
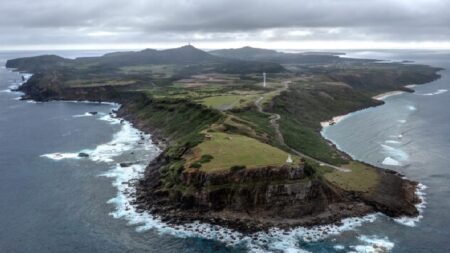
pixel 258 54
pixel 238 151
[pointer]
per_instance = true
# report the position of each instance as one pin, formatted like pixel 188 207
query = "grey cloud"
pixel 26 22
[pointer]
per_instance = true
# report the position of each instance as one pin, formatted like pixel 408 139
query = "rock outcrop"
pixel 248 199
pixel 257 199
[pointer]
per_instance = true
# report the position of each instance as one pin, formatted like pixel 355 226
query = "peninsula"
pixel 241 150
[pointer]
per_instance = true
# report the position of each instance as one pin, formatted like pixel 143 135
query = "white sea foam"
pixel 116 106
pixel 440 91
pixel 395 153
pixel 111 119
pixel 61 156
pixel 124 140
pixel 391 161
pixel 402 121
pixel 411 108
pixel 86 114
pixel 274 240
pixel 373 244
pixel 412 221
pixel 271 241
pixel 339 247
pixel 392 142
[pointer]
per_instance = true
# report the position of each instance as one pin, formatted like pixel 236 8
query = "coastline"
pixel 143 220
pixel 275 239
pixel 379 97
pixel 385 95
pixel 126 115
pixel 420 188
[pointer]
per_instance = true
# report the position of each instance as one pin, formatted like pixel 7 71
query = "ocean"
pixel 54 201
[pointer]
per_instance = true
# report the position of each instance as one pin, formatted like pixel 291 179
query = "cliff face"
pixel 256 199
pixel 46 87
pixel 248 199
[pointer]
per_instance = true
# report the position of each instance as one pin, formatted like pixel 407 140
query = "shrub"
pixel 236 168
pixel 206 158
pixel 196 165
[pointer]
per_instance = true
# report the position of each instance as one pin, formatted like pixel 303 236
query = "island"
pixel 240 130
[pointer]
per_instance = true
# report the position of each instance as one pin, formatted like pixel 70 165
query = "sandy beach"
pixel 381 96
pixel 385 95
pixel 333 121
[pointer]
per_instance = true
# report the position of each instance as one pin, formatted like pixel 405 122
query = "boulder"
pixel 83 155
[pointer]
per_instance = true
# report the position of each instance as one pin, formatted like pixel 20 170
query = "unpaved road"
pixel 275 117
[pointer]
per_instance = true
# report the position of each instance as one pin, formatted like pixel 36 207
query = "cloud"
pixel 55 22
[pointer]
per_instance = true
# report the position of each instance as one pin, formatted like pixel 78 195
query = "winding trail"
pixel 275 117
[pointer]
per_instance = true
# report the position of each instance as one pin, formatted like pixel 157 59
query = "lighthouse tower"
pixel 264 77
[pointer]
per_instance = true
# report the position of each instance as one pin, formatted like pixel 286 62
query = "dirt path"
pixel 275 117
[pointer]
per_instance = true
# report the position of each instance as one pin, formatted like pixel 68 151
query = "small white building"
pixel 289 159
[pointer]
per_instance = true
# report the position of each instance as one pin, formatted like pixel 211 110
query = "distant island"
pixel 241 150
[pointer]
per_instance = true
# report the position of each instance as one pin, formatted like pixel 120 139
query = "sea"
pixel 53 200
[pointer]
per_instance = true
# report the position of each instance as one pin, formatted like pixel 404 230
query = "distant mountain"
pixel 37 63
pixel 193 60
pixel 245 53
pixel 182 55
pixel 258 54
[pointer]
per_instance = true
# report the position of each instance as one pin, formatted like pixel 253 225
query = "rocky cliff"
pixel 247 199
pixel 257 199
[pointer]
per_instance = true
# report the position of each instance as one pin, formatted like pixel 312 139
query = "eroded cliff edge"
pixel 242 198
pixel 248 199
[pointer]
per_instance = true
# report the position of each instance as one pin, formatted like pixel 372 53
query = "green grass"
pixel 361 178
pixel 163 70
pixel 260 122
pixel 219 102
pixel 98 82
pixel 230 150
pixel 308 141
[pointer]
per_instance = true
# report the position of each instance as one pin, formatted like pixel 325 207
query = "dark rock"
pixel 83 155
pixel 126 164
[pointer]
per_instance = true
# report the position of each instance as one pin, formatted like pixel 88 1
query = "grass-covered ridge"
pixel 228 150
pixel 214 110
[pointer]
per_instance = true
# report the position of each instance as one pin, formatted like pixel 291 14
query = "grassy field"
pixel 98 82
pixel 230 150
pixel 219 102
pixel 361 177
pixel 226 102
pixel 162 70
pixel 308 141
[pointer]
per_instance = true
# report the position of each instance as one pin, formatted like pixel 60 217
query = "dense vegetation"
pixel 213 109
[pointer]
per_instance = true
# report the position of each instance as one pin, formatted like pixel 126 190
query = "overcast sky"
pixel 288 24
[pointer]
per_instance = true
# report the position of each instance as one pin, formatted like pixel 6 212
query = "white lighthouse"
pixel 289 159
pixel 264 77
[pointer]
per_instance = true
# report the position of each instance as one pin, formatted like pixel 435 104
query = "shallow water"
pixel 53 201
pixel 411 131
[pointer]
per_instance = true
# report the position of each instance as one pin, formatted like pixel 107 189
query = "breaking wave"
pixel 129 138
pixel 391 161
pixel 411 108
pixel 412 221
pixel 395 156
pixel 372 244
pixel 440 91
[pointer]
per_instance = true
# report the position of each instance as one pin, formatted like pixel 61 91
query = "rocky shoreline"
pixel 248 200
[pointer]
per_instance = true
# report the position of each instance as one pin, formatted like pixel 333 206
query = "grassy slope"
pixel 329 91
pixel 360 178
pixel 229 150
pixel 221 101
